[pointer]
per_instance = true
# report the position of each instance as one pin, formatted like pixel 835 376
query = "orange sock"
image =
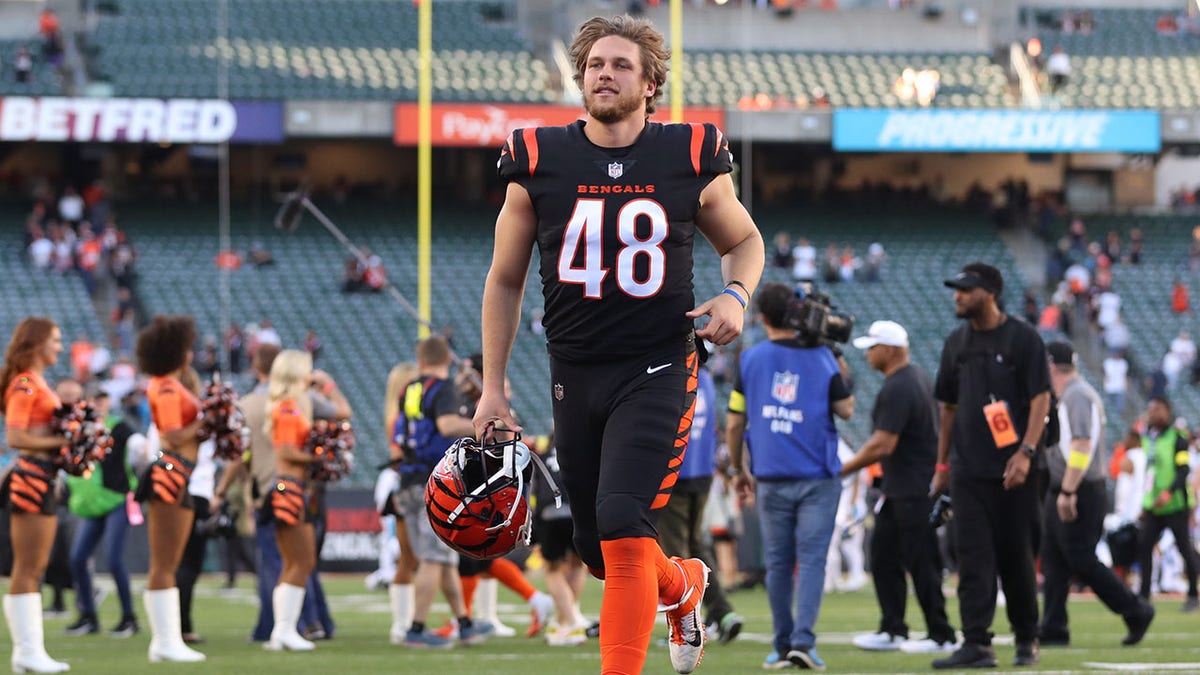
pixel 507 573
pixel 670 579
pixel 469 582
pixel 630 602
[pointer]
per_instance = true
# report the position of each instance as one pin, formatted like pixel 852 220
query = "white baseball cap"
pixel 888 333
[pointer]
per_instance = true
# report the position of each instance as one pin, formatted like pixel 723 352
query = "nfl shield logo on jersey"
pixel 558 392
pixel 616 170
pixel 783 387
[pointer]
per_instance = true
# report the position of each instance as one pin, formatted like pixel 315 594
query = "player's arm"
pixel 516 228
pixel 881 444
pixel 728 227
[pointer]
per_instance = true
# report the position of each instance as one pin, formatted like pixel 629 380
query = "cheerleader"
pixel 29 404
pixel 288 424
pixel 164 352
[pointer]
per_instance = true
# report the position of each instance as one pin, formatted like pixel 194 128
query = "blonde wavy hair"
pixel 290 375
pixel 401 374
pixel 641 32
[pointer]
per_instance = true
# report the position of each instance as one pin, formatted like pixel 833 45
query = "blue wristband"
pixel 737 297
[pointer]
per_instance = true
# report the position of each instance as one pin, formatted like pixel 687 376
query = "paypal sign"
pixel 996 130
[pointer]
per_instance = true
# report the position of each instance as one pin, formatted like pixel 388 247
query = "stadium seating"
pixel 43 80
pixel 327 49
pixel 1145 292
pixel 850 80
pixel 1124 62
pixel 33 292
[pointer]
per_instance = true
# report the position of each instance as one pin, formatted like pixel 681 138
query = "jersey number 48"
pixel 586 229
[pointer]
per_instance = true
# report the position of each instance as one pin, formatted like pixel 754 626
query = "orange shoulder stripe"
pixel 697 144
pixel 531 147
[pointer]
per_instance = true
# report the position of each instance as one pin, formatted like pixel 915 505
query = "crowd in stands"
pixel 838 263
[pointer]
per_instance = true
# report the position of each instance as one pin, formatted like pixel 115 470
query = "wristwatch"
pixel 1029 450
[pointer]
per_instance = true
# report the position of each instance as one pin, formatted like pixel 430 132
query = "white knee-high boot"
pixel 24 615
pixel 401 599
pixel 287 601
pixel 486 606
pixel 166 637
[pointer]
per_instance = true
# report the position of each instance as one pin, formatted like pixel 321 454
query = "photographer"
pixel 786 393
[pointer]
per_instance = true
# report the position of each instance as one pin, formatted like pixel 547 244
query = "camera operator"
pixel 994 387
pixel 786 393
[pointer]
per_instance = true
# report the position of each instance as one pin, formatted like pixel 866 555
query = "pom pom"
pixel 88 440
pixel 332 443
pixel 224 421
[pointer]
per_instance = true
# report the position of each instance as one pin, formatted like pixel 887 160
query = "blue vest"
pixel 790 430
pixel 416 428
pixel 701 458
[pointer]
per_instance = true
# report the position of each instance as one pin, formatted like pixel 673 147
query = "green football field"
pixel 361 646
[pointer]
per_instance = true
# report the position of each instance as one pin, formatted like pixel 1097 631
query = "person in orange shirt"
pixel 288 424
pixel 164 352
pixel 29 404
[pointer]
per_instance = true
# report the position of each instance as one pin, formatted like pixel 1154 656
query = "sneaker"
pixel 776 662
pixel 565 637
pixel 1027 654
pixel 127 628
pixel 685 629
pixel 1191 605
pixel 879 642
pixel 86 624
pixel 729 627
pixel 593 631
pixel 928 646
pixel 541 606
pixel 426 640
pixel 476 633
pixel 806 659
pixel 1138 623
pixel 969 655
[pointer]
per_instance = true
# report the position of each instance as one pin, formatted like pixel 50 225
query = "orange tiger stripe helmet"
pixel 475 497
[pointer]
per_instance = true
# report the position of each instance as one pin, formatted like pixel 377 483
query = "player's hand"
pixel 1016 470
pixel 725 317
pixel 1068 507
pixel 492 414
pixel 940 484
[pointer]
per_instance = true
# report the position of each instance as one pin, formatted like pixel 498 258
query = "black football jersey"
pixel 615 232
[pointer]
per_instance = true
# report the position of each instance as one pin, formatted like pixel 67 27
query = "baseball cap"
pixel 1061 353
pixel 888 333
pixel 978 275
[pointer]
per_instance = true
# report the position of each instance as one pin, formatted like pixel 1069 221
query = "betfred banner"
pixel 487 125
pixel 139 120
pixel 996 130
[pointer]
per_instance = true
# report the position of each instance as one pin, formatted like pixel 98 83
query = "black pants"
pixel 191 565
pixel 1069 549
pixel 904 542
pixel 681 533
pixel 1150 528
pixel 620 432
pixel 994 531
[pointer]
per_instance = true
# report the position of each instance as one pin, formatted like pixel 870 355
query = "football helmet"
pixel 475 497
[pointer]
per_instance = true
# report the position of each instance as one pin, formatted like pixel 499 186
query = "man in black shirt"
pixel 905 441
pixel 994 387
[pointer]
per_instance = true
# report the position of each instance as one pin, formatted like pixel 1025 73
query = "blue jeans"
pixel 797 522
pixel 270 565
pixel 113 527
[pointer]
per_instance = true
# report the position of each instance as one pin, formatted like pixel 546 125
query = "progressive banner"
pixel 140 120
pixel 488 125
pixel 996 130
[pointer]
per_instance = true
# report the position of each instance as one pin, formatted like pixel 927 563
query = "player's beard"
pixel 615 111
